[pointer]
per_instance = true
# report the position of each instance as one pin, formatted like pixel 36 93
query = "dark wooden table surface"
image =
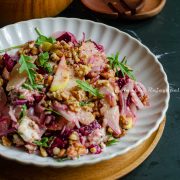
pixel 162 35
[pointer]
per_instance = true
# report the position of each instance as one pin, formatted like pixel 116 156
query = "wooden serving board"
pixel 106 170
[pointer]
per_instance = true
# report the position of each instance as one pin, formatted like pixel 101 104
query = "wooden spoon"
pixel 149 9
pixel 124 7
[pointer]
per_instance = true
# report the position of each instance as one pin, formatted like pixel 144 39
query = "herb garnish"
pixel 87 87
pixel 63 159
pixel 53 111
pixel 33 86
pixel 43 142
pixel 28 66
pixel 43 61
pixel 41 39
pixel 37 86
pixel 11 48
pixel 111 142
pixel 23 111
pixel 21 96
pixel 116 65
pixel 84 103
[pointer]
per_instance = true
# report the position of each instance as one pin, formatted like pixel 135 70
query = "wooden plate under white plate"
pixel 150 9
pixel 106 170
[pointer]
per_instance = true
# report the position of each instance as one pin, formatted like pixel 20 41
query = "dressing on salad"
pixel 64 98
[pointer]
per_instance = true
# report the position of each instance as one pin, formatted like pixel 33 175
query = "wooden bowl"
pixel 17 10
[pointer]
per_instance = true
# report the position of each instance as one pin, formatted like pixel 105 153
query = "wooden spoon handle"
pixel 126 7
pixel 133 5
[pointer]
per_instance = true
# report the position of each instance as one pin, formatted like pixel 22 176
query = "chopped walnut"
pixel 73 104
pixel 34 51
pixel 68 54
pixel 76 149
pixel 145 100
pixel 108 74
pixel 5 74
pixel 56 151
pixel 58 52
pixel 62 153
pixel 102 83
pixel 55 57
pixel 88 107
pixel 56 45
pixel 82 70
pixel 61 95
pixel 49 80
pixel 79 94
pixel 6 141
pixel 39 79
pixel 30 44
pixel 1 81
pixel 43 152
pixel 17 140
pixel 71 152
pixel 126 122
pixel 74 136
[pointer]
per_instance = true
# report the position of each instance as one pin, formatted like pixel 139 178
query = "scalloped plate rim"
pixel 59 165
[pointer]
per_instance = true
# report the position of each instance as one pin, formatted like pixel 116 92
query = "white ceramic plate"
pixel 146 67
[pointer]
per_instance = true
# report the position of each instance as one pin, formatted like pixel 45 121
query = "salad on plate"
pixel 65 98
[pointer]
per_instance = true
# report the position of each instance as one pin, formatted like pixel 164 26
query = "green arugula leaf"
pixel 21 96
pixel 53 111
pixel 88 88
pixel 63 159
pixel 41 39
pixel 37 86
pixel 111 142
pixel 43 61
pixel 27 86
pixel 23 111
pixel 33 86
pixel 43 142
pixel 28 66
pixel 84 103
pixel 11 48
pixel 117 65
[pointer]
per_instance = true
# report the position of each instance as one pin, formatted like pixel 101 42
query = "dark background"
pixel 162 35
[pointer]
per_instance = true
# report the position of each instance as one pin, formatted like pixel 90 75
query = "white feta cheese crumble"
pixel 29 130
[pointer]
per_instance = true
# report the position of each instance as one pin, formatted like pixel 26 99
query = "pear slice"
pixel 16 78
pixel 61 77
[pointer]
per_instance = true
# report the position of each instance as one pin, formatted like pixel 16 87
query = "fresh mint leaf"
pixel 88 88
pixel 41 39
pixel 28 66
